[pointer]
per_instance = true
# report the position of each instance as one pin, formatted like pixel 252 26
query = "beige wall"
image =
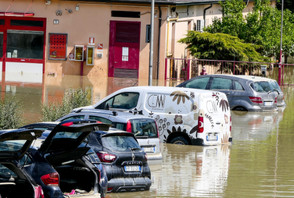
pixel 91 20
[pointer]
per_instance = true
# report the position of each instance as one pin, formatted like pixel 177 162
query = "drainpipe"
pixel 204 13
pixel 158 47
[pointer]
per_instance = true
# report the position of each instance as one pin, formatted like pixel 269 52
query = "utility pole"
pixel 151 43
pixel 281 43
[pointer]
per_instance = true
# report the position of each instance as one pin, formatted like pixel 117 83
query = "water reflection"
pixel 255 126
pixel 188 171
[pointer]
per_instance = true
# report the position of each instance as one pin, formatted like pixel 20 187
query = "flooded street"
pixel 257 164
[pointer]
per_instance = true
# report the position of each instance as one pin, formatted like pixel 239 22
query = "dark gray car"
pixel 245 93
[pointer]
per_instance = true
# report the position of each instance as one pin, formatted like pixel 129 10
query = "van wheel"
pixel 179 140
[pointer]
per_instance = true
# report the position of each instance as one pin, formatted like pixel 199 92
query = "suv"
pixel 124 160
pixel 60 152
pixel 144 128
pixel 245 93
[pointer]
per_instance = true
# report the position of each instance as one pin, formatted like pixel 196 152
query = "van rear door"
pixel 215 115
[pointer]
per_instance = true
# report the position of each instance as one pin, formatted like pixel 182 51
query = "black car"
pixel 14 179
pixel 60 163
pixel 124 160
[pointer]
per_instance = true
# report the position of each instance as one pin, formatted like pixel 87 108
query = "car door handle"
pixel 218 123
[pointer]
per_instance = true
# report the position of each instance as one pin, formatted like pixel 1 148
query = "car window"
pixel 120 143
pixel 144 127
pixel 238 86
pixel 6 174
pixel 198 83
pixel 66 135
pixel 221 83
pixel 261 86
pixel 275 85
pixel 12 145
pixel 101 119
pixel 74 117
pixel 126 100
pixel 25 160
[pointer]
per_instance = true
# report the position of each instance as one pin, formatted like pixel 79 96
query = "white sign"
pixel 125 54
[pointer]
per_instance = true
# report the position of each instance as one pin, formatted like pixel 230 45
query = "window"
pixel 221 83
pixel 25 44
pixel 127 100
pixel 148 33
pixel 104 120
pixel 238 86
pixel 120 143
pixel 74 117
pixel 199 83
pixel 145 128
pixel 199 25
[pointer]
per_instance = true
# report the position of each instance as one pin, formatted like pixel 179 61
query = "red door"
pixel 124 49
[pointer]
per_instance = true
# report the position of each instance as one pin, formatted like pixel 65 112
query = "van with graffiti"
pixel 183 115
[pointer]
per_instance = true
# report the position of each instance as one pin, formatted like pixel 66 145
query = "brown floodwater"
pixel 258 163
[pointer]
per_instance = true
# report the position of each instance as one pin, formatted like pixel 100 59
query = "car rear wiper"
pixel 135 149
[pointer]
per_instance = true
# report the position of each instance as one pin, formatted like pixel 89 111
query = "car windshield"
pixel 261 86
pixel 12 145
pixel 120 143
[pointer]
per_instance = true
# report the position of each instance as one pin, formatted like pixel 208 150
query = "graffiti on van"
pixel 156 101
pixel 210 120
pixel 179 96
pixel 162 124
pixel 224 105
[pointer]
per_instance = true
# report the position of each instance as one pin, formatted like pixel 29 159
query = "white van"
pixel 183 115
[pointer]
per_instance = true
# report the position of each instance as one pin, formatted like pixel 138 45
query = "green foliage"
pixel 262 26
pixel 11 114
pixel 220 46
pixel 72 99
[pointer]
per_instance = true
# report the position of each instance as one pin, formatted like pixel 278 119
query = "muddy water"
pixel 259 163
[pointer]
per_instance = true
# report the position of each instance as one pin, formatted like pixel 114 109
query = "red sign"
pixel 100 46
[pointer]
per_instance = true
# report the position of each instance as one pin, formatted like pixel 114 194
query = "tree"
pixel 261 26
pixel 220 46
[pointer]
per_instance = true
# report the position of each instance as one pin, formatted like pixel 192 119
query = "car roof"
pixel 245 77
pixel 161 89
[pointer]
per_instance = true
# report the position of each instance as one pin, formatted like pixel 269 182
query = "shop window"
pixel 27 23
pixel 25 44
pixel 57 46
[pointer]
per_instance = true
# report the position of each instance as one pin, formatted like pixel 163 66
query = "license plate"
pixel 267 103
pixel 132 168
pixel 211 137
pixel 149 149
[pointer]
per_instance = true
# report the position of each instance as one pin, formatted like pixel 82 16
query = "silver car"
pixel 144 128
pixel 244 93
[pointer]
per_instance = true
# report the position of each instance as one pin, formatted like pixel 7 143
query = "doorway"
pixel 124 49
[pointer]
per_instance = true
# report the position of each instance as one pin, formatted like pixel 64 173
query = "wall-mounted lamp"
pixel 77 7
pixel 47 2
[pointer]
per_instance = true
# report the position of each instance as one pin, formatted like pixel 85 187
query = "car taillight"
pixel 200 124
pixel 67 124
pixel 106 157
pixel 256 100
pixel 129 126
pixel 276 100
pixel 50 179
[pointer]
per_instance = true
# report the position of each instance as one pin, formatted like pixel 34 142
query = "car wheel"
pixel 179 140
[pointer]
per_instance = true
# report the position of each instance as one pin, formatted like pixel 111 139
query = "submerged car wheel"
pixel 179 140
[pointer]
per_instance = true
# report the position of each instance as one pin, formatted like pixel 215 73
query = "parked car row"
pixel 106 147
pixel 245 93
